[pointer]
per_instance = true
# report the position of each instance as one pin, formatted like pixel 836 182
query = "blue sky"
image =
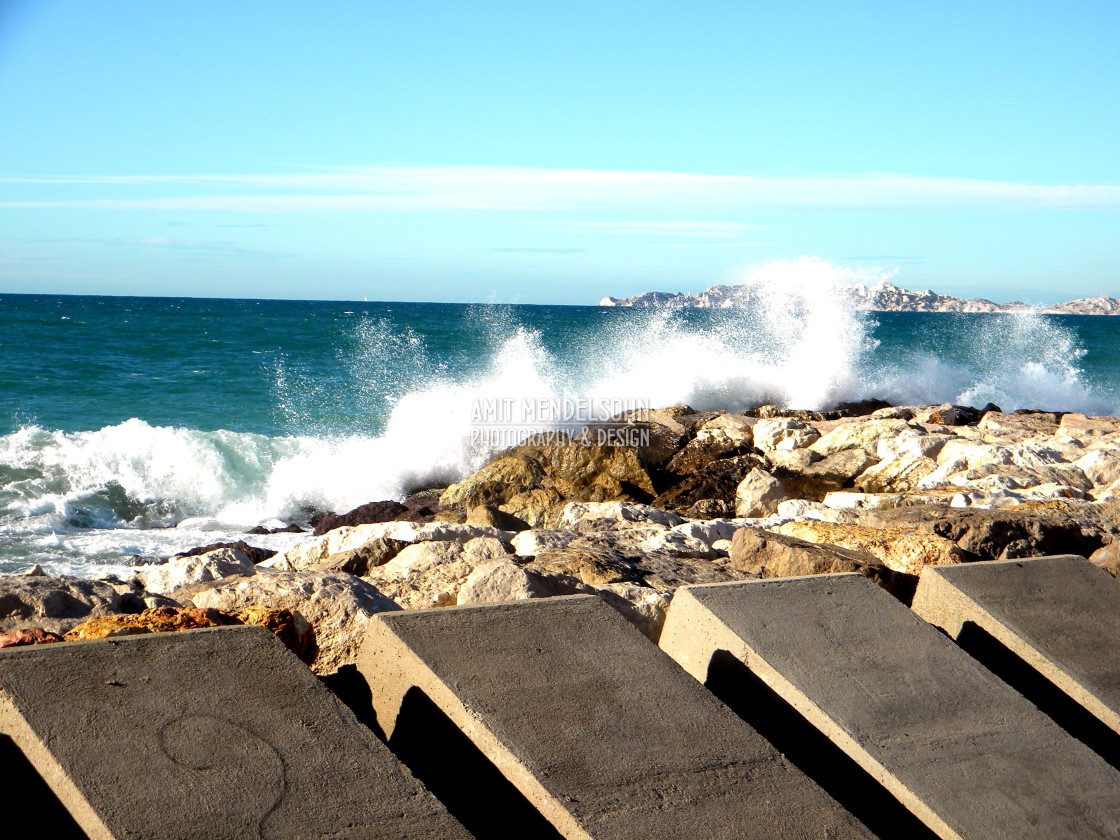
pixel 555 153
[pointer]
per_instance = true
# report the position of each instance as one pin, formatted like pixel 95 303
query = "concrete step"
pixel 1060 615
pixel 205 733
pixel 962 750
pixel 591 724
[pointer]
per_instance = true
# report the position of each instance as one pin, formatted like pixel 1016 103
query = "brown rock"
pixel 955 415
pixel 767 554
pixel 767 412
pixel 896 475
pixel 660 435
pixel 493 517
pixel 701 451
pixel 289 627
pixel 254 553
pixel 812 477
pixel 358 561
pixel 1029 530
pixel 158 620
pixel 592 566
pixel 28 636
pixel 367 514
pixel 898 549
pixel 710 488
pixel 535 480
pixel 1108 558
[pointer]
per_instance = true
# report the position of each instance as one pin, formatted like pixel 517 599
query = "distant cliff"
pixel 884 297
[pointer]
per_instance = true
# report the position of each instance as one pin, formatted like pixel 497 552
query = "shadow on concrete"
pixel 24 792
pixel 351 688
pixel 461 777
pixel 811 751
pixel 1051 700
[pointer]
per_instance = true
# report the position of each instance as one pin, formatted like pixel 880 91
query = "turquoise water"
pixel 136 426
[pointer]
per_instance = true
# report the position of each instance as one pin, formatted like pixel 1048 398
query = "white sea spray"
pixel 416 417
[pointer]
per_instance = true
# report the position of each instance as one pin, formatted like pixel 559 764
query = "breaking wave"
pixel 421 413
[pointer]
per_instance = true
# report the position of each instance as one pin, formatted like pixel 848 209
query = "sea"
pixel 132 428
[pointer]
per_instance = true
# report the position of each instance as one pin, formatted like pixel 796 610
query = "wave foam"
pixel 796 343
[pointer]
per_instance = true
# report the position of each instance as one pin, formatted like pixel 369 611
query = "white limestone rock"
pixel 783 434
pixel 575 513
pixel 182 571
pixel 758 494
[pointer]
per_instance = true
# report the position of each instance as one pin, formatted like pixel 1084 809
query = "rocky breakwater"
pixel 697 497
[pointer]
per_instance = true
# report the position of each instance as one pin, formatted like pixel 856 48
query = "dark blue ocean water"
pixel 136 425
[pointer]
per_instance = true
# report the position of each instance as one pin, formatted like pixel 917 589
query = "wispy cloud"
pixel 706 230
pixel 385 189
pixel 516 250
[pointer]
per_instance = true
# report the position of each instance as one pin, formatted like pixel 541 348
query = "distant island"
pixel 882 297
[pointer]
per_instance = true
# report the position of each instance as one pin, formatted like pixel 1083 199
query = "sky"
pixel 556 152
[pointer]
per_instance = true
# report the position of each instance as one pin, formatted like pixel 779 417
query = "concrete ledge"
pixel 204 733
pixel 954 744
pixel 603 734
pixel 1061 615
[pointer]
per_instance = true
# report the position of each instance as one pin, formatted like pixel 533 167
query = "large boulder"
pixel 431 574
pixel 493 517
pixel 56 604
pixel 253 552
pixel 636 568
pixel 182 570
pixel 860 434
pixel 336 604
pixel 1100 466
pixel 808 475
pixel 358 561
pixel 595 513
pixel 783 433
pixel 766 554
pixel 1029 530
pixel 897 548
pixel 654 436
pixel 321 551
pixel 724 436
pixel 1018 426
pixel 367 514
pixel 534 481
pixel 498 581
pixel 759 494
pixel 1087 429
pixel 901 473
pixel 1108 558
pixel 708 493
pixel 953 415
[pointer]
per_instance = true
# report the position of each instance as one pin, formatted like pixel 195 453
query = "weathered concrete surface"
pixel 601 732
pixel 1059 614
pixel 958 747
pixel 206 733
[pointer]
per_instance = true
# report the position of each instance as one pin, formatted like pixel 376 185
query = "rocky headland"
pixel 701 497
pixel 881 297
